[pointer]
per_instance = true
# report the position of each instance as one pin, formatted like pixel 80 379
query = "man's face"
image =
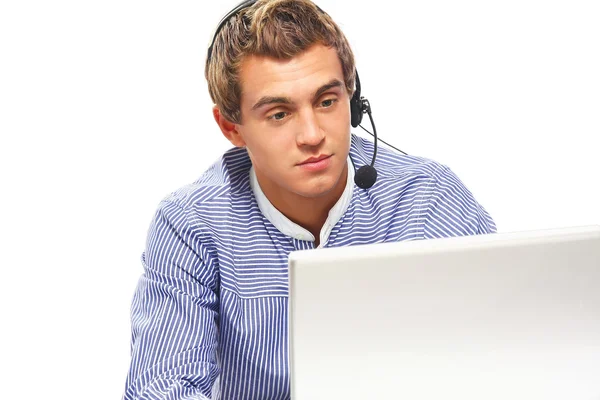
pixel 292 111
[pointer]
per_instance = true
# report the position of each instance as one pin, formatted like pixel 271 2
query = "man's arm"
pixel 174 314
pixel 453 211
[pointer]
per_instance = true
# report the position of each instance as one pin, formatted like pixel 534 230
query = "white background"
pixel 104 110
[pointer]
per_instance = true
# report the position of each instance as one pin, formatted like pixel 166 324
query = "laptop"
pixel 499 316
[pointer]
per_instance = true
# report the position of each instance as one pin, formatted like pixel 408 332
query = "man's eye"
pixel 278 116
pixel 327 103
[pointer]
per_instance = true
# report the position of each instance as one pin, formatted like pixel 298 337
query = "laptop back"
pixel 502 316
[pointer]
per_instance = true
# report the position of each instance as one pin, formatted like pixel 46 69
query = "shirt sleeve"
pixel 453 211
pixel 174 314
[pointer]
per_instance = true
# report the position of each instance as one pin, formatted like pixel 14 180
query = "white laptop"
pixel 501 316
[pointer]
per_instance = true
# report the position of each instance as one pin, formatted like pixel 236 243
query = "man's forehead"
pixel 302 75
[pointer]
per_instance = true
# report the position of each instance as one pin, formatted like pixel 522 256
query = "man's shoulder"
pixel 227 177
pixel 444 203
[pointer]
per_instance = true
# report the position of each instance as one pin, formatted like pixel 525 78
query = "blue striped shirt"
pixel 209 315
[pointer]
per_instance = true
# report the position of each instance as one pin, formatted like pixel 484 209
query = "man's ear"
pixel 228 128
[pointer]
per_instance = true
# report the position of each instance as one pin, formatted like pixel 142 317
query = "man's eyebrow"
pixel 332 84
pixel 271 100
pixel 286 100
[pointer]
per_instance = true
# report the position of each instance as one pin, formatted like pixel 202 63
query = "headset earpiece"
pixel 356 105
pixel 355 112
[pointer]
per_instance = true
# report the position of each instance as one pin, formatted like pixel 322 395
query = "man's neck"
pixel 308 212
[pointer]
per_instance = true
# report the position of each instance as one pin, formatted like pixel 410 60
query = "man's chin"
pixel 317 189
pixel 322 185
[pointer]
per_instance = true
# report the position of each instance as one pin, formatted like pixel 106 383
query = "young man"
pixel 209 316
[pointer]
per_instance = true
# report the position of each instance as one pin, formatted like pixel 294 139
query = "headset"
pixel 366 175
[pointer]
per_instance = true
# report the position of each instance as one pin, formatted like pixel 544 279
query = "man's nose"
pixel 309 130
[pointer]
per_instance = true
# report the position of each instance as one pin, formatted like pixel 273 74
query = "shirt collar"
pixel 289 228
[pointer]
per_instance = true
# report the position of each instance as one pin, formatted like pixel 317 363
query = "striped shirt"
pixel 209 315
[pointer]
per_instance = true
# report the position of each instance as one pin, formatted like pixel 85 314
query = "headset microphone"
pixel 366 175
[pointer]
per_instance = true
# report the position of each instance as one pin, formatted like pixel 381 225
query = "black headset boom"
pixel 366 175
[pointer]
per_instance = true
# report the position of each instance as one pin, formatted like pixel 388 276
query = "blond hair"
pixel 274 28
